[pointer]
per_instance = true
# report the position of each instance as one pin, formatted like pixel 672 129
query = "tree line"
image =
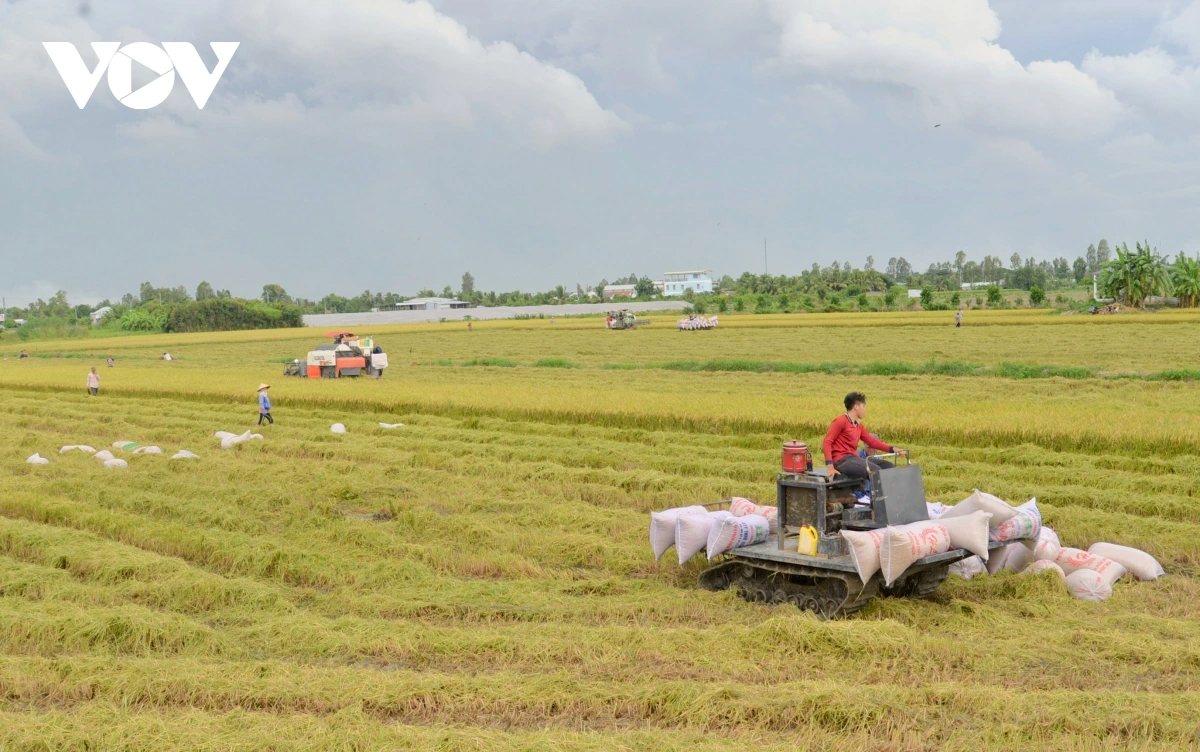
pixel 1131 276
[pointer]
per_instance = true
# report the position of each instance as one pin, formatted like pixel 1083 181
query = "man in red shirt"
pixel 841 443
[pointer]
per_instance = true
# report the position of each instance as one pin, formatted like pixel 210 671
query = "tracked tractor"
pixel 828 584
pixel 348 355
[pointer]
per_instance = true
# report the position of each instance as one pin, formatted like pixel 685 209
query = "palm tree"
pixel 1185 280
pixel 1134 276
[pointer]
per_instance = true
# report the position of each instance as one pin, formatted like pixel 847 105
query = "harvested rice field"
pixel 480 578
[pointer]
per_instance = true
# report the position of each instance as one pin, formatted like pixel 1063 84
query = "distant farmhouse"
pixel 673 284
pixel 427 304
pixel 678 283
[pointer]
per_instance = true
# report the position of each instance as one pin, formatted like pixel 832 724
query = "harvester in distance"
pixel 349 355
pixel 623 319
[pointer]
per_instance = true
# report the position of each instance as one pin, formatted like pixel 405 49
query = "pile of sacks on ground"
pixel 981 520
pixel 694 529
pixel 694 323
pixel 109 459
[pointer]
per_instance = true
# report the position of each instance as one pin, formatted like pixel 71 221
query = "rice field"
pixel 480 578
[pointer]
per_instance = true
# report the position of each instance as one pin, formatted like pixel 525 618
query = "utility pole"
pixel 765 270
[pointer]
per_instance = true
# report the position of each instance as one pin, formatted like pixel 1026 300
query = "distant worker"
pixel 468 326
pixel 958 319
pixel 166 356
pixel 845 434
pixel 93 383
pixel 264 405
pixel 24 354
pixel 111 361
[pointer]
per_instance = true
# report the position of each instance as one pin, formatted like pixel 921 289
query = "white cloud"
pixel 357 66
pixel 943 55
pixel 404 63
pixel 1152 82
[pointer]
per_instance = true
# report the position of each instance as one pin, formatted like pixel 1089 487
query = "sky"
pixel 391 145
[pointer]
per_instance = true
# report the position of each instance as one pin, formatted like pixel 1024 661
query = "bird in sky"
pixel 939 125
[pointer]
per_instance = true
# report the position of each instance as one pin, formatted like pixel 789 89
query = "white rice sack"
pixel 148 450
pixel 1073 559
pixel 231 440
pixel 77 448
pixel 116 464
pixel 968 567
pixel 662 528
pixel 936 509
pixel 864 551
pixel 1014 557
pixel 37 459
pixel 390 426
pixel 740 507
pixel 1045 565
pixel 969 532
pixel 1025 525
pixel 979 501
pixel 124 444
pixel 1089 585
pixel 103 455
pixel 735 532
pixel 223 435
pixel 254 436
pixel 337 428
pixel 184 454
pixel 1140 564
pixel 1045 547
pixel 691 533
pixel 904 544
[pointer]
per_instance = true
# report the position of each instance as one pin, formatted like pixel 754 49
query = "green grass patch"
pixel 555 363
pixel 493 362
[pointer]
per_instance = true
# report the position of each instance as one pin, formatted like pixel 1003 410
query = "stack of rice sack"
pixel 695 529
pixel 1034 548
pixel 892 550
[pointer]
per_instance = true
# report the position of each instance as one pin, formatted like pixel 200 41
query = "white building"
pixel 677 283
pixel 98 314
pixel 428 304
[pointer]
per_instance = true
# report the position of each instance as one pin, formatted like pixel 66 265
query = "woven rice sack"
pixel 864 551
pixel 969 532
pixel 1089 585
pixel 979 501
pixel 691 533
pixel 735 532
pixel 1013 557
pixel 904 544
pixel 741 507
pixel 1073 559
pixel 1140 564
pixel 662 527
pixel 1045 565
pixel 1024 525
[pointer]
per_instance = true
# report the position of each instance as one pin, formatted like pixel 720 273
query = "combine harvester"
pixel 623 319
pixel 826 581
pixel 349 355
